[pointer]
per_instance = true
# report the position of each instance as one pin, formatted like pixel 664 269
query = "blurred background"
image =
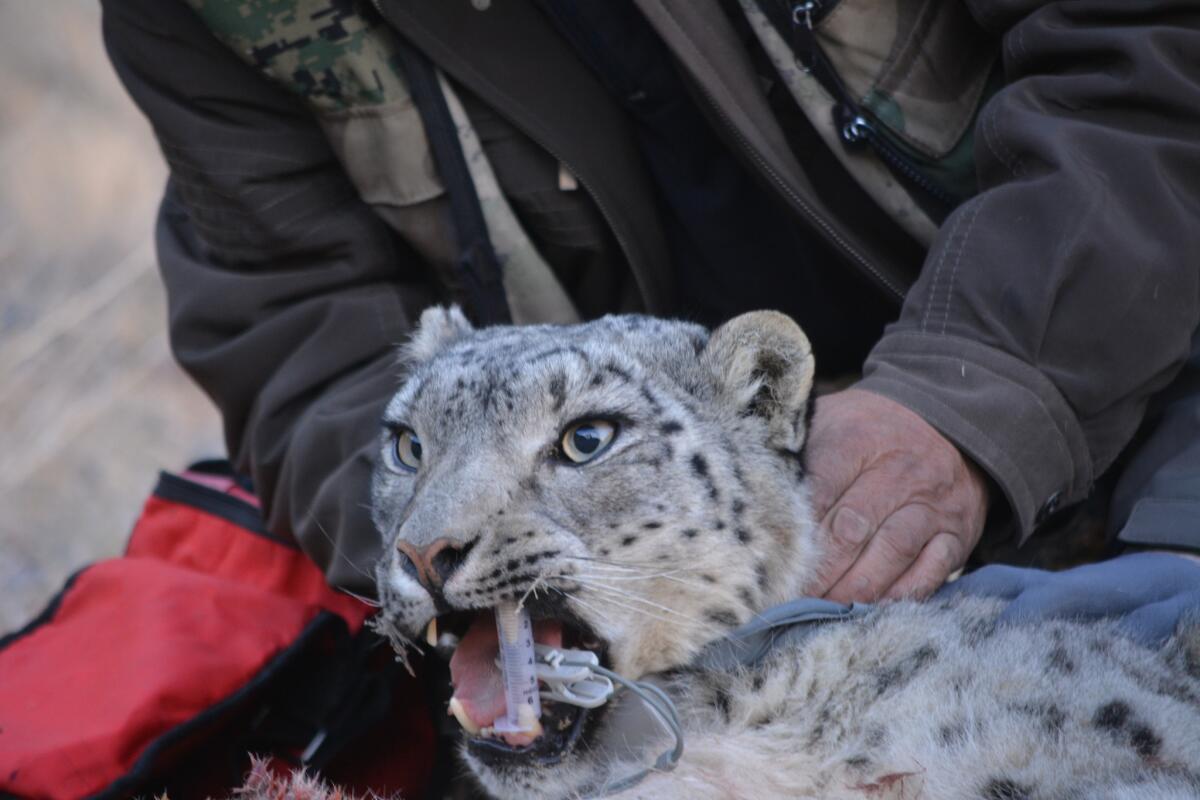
pixel 91 404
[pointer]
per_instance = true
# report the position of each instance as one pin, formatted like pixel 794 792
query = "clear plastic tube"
pixel 517 665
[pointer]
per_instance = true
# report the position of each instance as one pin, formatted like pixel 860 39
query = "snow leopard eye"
pixel 405 453
pixel 583 441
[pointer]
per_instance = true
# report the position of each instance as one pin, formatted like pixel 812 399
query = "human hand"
pixel 1147 592
pixel 899 506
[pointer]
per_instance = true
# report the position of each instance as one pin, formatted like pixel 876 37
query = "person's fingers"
pixel 897 543
pixel 996 580
pixel 848 527
pixel 943 554
pixel 844 535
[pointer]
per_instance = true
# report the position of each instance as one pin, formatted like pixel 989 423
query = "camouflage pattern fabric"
pixel 336 54
pixel 869 172
pixel 920 66
pixel 342 60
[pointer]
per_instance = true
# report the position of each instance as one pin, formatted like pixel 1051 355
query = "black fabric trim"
pixel 222 468
pixel 477 261
pixel 146 769
pixel 175 489
pixel 45 616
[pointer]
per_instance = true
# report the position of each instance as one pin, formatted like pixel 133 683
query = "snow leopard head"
pixel 637 484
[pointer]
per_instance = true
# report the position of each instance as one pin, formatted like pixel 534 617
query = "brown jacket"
pixel 1047 310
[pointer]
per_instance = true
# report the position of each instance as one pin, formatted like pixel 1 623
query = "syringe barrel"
pixel 517 663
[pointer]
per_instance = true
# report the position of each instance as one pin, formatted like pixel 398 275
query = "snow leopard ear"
pixel 439 327
pixel 764 365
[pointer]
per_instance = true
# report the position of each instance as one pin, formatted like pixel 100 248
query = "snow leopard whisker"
pixel 628 566
pixel 605 597
pixel 360 598
pixel 636 572
pixel 570 596
pixel 531 590
pixel 599 611
pixel 637 598
pixel 385 626
pixel 337 551
pixel 612 591
pixel 667 576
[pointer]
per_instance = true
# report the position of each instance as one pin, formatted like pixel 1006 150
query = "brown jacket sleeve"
pixel 286 293
pixel 1054 303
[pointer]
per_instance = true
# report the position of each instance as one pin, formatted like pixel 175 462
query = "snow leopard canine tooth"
pixel 456 709
pixel 431 633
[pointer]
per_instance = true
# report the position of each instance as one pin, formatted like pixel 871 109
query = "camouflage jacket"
pixel 305 225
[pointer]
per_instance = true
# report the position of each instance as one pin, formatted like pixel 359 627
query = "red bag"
pixel 209 640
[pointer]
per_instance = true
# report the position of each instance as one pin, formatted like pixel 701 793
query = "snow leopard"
pixel 639 486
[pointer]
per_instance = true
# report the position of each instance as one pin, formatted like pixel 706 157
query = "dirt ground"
pixel 91 404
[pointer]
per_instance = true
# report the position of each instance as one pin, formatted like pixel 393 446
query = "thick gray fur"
pixel 696 518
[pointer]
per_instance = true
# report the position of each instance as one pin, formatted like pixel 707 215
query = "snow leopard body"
pixel 695 517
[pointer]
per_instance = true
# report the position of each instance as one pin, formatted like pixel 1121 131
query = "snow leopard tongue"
pixel 478 684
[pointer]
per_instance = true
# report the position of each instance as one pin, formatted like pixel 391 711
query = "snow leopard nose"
pixel 436 563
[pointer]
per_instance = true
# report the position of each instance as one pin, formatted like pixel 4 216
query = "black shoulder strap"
pixel 477 260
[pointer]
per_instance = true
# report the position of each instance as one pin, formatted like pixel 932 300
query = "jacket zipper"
pixel 856 129
pixel 853 124
pixel 800 203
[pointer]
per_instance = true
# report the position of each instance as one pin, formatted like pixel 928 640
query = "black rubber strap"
pixel 479 267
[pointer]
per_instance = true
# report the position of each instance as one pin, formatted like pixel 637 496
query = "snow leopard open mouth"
pixel 470 640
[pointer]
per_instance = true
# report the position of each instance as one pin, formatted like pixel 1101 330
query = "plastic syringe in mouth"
pixel 523 705
pixel 530 671
pixel 495 679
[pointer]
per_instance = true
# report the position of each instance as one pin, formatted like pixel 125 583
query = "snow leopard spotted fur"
pixel 696 517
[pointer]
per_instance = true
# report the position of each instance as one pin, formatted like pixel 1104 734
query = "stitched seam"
pixel 957 258
pixel 937 273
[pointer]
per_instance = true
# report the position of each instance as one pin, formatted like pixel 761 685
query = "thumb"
pixel 848 526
